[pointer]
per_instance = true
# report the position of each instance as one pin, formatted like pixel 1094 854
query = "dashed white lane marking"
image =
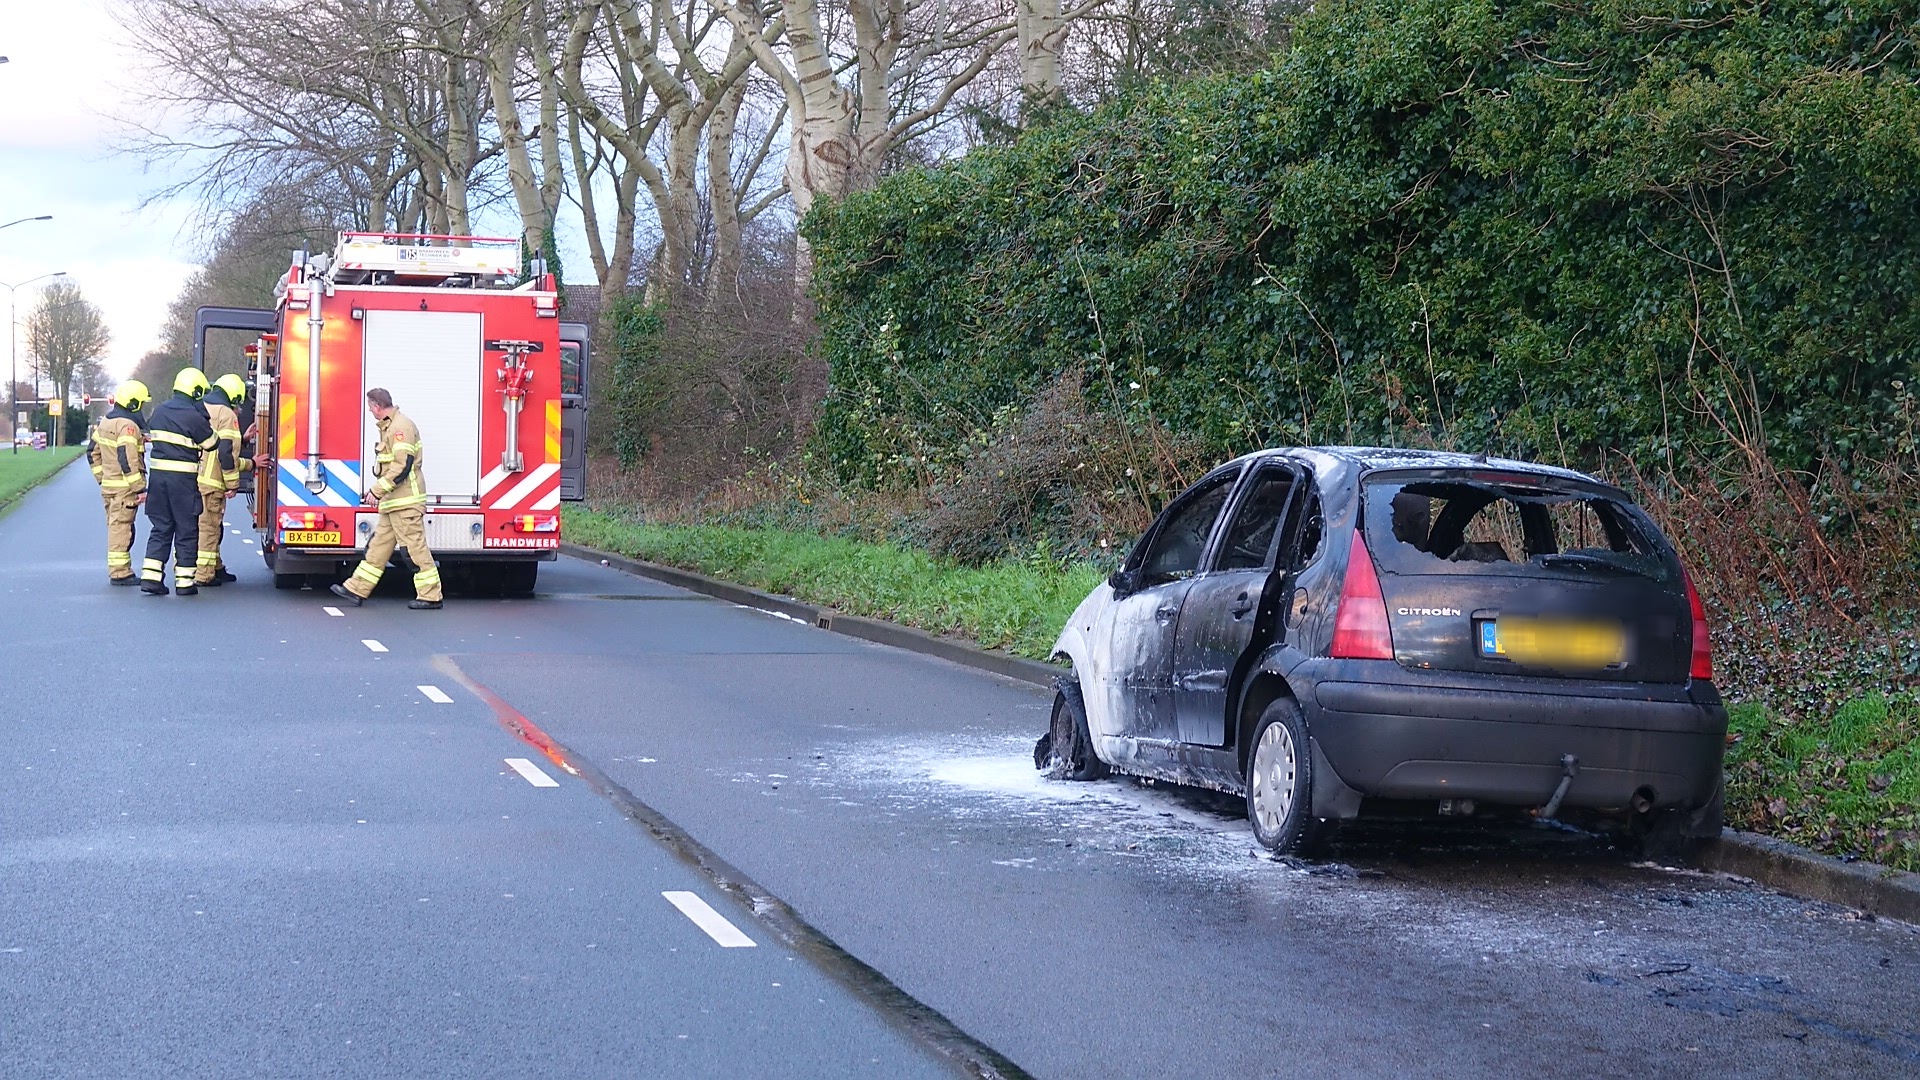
pixel 335 612
pixel 531 772
pixel 372 644
pixel 435 695
pixel 724 933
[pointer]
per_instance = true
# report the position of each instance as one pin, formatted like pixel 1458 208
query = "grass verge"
pixel 1016 606
pixel 1847 784
pixel 20 472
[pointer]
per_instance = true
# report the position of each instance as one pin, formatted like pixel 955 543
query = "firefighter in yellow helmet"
pixel 219 477
pixel 179 434
pixel 402 494
pixel 118 457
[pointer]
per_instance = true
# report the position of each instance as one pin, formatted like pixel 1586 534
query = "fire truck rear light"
pixel 297 298
pixel 547 307
pixel 536 522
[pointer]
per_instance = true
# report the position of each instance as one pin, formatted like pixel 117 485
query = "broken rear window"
pixel 1501 525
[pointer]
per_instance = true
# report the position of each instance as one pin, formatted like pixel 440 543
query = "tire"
pixel 519 578
pixel 1066 750
pixel 1280 783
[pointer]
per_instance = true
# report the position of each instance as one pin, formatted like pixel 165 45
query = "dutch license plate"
pixel 1554 642
pixel 316 537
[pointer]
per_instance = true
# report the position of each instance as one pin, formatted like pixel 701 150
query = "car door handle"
pixel 1241 606
pixel 1164 616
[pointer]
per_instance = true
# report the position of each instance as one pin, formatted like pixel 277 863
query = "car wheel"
pixel 1280 782
pixel 1066 750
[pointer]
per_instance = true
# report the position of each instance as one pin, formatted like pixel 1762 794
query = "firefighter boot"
pixel 341 592
pixel 213 524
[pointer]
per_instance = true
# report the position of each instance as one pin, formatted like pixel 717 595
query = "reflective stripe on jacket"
pixel 118 453
pixel 398 483
pixel 180 432
pixel 220 470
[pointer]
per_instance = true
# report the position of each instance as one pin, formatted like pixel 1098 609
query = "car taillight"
pixel 1360 630
pixel 1702 667
pixel 537 522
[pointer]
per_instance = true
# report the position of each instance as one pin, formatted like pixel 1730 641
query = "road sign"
pixel 56 408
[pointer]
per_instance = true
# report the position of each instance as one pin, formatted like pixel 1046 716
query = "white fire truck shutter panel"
pixel 430 362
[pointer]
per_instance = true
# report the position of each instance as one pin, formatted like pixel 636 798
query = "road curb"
pixel 878 631
pixel 1773 863
pixel 1790 868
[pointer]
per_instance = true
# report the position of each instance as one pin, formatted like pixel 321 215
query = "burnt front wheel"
pixel 1066 750
pixel 1280 782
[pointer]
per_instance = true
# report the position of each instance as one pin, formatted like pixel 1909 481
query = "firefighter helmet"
pixel 234 385
pixel 131 394
pixel 191 382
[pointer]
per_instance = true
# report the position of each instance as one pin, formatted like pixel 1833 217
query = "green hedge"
pixel 1560 229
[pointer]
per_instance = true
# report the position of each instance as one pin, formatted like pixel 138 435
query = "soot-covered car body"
pixel 1330 628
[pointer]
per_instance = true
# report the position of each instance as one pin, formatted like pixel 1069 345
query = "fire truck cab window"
pixel 569 367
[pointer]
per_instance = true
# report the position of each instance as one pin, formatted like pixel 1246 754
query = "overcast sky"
pixel 67 80
pixel 58 93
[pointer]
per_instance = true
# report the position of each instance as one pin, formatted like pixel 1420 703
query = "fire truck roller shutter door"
pixel 431 362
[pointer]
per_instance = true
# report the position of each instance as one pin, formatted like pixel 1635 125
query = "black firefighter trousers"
pixel 173 506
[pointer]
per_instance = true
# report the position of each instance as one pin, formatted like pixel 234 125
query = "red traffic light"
pixel 86 400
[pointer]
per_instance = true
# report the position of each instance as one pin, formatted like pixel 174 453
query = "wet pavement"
pixel 320 846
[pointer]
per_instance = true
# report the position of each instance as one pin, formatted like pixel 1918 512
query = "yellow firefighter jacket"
pixel 397 481
pixel 118 455
pixel 221 466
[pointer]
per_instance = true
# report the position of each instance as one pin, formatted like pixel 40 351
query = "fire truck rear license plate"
pixel 310 536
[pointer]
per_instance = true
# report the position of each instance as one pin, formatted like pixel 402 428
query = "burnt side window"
pixel 1414 525
pixel 1311 527
pixel 1250 537
pixel 1176 546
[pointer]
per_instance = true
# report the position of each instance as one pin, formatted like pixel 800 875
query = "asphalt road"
pixel 237 841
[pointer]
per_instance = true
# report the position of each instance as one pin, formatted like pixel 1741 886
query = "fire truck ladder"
pixel 425 259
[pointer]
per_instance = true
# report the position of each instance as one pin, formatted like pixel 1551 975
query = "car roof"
pixel 1366 459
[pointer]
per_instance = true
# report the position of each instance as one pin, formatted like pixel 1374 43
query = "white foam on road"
pixel 435 695
pixel 724 933
pixel 373 645
pixel 531 772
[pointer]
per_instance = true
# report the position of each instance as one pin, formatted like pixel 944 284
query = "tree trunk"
pixel 1042 36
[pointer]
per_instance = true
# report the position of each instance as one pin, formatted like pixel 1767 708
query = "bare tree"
pixel 354 105
pixel 66 335
pixel 863 78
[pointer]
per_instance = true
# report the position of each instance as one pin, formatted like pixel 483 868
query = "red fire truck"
pixel 473 353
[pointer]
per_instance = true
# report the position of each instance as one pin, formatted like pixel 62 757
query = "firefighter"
pixel 118 458
pixel 219 477
pixel 402 493
pixel 180 433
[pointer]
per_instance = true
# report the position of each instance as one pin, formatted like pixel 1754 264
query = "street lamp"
pixel 13 360
pixel 42 217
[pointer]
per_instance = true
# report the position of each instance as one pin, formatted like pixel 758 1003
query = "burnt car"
pixel 1334 630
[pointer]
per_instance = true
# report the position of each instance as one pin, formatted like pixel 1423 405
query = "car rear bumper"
pixel 1502 741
